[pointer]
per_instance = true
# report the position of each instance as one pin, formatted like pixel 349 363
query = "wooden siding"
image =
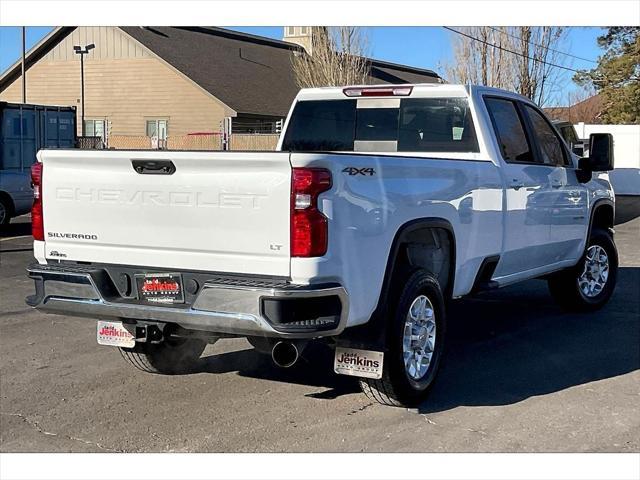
pixel 124 84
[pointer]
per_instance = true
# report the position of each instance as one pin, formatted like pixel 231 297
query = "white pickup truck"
pixel 381 205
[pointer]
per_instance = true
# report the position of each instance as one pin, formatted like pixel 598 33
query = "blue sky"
pixel 426 47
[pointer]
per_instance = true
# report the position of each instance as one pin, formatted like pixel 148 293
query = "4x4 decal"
pixel 359 171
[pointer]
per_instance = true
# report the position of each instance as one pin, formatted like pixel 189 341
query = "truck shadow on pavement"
pixel 516 344
pixel 314 368
pixel 15 230
pixel 504 347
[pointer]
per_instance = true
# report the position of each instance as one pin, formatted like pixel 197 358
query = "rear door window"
pixel 509 130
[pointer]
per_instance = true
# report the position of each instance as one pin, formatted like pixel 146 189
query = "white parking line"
pixel 14 238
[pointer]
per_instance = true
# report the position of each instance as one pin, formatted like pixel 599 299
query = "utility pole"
pixel 82 52
pixel 24 71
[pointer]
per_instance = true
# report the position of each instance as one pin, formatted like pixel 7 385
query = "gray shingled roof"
pixel 250 74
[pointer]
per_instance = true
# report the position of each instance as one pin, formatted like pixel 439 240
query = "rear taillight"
pixel 37 224
pixel 309 229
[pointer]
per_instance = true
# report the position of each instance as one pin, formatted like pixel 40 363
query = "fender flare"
pixel 601 202
pixel 372 335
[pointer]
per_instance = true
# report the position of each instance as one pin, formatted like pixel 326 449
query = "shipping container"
pixel 25 129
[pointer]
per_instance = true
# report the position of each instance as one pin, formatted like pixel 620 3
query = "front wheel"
pixel 169 357
pixel 589 285
pixel 416 339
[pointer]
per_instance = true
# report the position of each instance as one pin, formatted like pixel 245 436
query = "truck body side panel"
pixel 366 211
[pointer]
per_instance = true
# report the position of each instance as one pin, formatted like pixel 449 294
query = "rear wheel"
pixel 169 357
pixel 5 212
pixel 589 285
pixel 416 339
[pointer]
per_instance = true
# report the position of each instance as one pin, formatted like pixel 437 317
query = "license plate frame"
pixel 113 334
pixel 160 288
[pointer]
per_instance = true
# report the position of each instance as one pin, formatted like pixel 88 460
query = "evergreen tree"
pixel 617 76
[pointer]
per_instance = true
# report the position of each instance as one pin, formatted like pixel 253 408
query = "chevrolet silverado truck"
pixel 380 206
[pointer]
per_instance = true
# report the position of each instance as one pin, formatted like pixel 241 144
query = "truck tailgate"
pixel 219 211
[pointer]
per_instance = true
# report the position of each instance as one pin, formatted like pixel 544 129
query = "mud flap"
pixel 358 363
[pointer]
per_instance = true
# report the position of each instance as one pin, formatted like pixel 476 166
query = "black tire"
pixel 396 388
pixel 167 358
pixel 565 286
pixel 5 212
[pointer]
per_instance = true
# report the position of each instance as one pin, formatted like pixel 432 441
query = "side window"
pixel 549 143
pixel 569 135
pixel 509 130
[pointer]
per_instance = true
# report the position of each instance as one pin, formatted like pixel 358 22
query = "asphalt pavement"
pixel 520 376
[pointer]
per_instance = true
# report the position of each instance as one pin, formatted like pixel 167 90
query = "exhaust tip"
pixel 285 354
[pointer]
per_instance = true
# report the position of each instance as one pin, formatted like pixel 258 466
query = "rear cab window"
pixel 382 125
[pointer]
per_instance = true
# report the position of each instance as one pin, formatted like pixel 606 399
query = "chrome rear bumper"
pixel 234 308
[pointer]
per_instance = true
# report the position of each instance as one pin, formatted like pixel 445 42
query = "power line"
pixel 542 46
pixel 511 51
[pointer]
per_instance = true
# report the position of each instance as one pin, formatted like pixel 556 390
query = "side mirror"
pixel 600 157
pixel 578 149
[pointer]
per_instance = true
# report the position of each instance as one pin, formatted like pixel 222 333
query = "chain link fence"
pixel 129 142
pixel 201 141
pixel 208 141
pixel 253 141
pixel 90 143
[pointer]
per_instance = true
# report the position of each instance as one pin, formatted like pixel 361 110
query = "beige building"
pixel 179 85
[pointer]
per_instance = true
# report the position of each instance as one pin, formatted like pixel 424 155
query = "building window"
pixel 157 128
pixel 291 31
pixel 304 30
pixel 95 128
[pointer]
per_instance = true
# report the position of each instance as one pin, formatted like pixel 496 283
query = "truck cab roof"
pixel 416 90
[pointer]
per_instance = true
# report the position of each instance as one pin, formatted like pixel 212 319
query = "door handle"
pixel 517 184
pixel 154 167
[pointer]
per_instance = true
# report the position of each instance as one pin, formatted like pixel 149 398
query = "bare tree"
pixel 515 58
pixel 338 57
pixel 478 62
pixel 538 77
